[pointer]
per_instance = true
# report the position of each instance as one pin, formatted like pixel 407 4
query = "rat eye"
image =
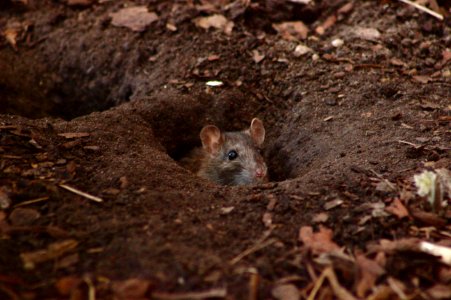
pixel 232 154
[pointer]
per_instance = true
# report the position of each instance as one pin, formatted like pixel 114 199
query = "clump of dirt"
pixel 95 119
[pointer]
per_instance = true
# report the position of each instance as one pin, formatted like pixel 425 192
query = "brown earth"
pixel 341 122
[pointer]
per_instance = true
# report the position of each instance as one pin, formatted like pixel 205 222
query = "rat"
pixel 230 158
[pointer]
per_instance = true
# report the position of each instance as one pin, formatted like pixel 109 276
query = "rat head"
pixel 233 158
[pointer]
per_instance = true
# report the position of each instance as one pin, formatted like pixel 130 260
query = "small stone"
pixel 23 216
pixel 330 101
pixel 337 43
pixel 301 50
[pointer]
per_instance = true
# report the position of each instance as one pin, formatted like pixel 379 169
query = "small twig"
pixel 80 193
pixel 258 246
pixel 33 201
pixel 424 9
pixel 387 182
pixel 253 285
pixel 339 291
pixel 410 144
pixel 214 293
pixel 91 288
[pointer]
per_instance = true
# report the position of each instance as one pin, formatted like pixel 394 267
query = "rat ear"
pixel 211 139
pixel 257 131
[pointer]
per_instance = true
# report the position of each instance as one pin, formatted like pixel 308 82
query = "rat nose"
pixel 259 172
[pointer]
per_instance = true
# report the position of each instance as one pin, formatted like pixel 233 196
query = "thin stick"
pixel 424 9
pixel 32 201
pixel 251 250
pixel 80 193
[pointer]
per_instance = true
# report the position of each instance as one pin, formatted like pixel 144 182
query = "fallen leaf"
pixel 131 288
pixel 73 135
pixel 446 55
pixel 428 218
pixel 5 201
pixel 385 186
pixel 439 291
pixel 398 209
pixel 318 242
pixel 237 8
pixel 292 30
pixel 286 292
pixel 55 250
pixel 135 18
pixel 397 62
pixel 227 210
pixel 320 218
pixel 257 56
pixel 67 261
pixel 332 204
pixel 422 78
pixel 370 271
pixel 67 284
pixel 217 21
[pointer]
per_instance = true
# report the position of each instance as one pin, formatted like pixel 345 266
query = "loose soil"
pixel 340 122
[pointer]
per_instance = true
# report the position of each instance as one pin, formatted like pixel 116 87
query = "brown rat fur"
pixel 230 158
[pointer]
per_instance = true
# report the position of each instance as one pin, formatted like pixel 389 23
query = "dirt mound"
pixel 92 112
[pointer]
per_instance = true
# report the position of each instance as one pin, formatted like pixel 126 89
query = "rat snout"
pixel 260 172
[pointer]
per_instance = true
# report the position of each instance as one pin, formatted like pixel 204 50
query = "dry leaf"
pixel 446 55
pixel 422 79
pixel 440 291
pixel 135 18
pixel 332 204
pixel 318 242
pixel 5 201
pixel 370 271
pixel 320 218
pixel 227 210
pixel 133 288
pixel 428 218
pixel 398 209
pixel 216 21
pixel 67 284
pixel 286 292
pixel 291 30
pixel 10 35
pixel 257 56
pixel 55 250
